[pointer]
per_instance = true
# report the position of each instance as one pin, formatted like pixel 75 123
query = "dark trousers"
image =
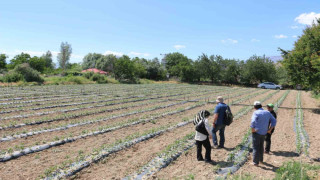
pixel 257 145
pixel 268 142
pixel 207 146
pixel 221 129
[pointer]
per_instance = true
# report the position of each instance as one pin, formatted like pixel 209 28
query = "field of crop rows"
pixel 141 131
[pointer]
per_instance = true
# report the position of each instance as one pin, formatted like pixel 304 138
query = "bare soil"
pixel 188 165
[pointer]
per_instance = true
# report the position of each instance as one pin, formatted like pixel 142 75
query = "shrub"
pixel 29 74
pixel 88 75
pixel 12 76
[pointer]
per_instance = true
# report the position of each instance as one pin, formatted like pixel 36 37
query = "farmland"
pixel 142 131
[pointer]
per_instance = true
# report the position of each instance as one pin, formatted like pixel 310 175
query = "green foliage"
pixel 258 69
pixel 99 78
pixel 303 61
pixel 67 80
pixel 155 71
pixel 19 59
pixel 37 63
pixel 176 63
pixel 3 62
pixel 12 76
pixel 99 61
pixel 29 74
pixel 124 69
pixel 296 170
pixel 48 60
pixel 64 55
pixel 209 67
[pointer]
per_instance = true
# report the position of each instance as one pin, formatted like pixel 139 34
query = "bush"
pixel 13 76
pixel 28 74
pixel 88 75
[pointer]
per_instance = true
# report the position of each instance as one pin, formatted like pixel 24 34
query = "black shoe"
pixel 200 159
pixel 221 147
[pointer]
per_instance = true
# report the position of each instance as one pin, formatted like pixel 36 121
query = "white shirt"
pixel 201 137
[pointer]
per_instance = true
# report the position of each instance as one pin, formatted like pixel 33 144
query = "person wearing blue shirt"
pixel 218 117
pixel 260 127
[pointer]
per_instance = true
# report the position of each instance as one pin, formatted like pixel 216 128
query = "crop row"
pixel 302 139
pixel 141 98
pixel 240 154
pixel 86 122
pixel 14 124
pixel 174 150
pixel 81 164
pixel 81 98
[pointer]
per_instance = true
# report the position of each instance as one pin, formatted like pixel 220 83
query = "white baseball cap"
pixel 256 103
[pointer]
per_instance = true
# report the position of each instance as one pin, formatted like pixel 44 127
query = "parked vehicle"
pixel 269 85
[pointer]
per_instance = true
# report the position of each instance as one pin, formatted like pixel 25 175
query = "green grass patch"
pixel 297 170
pixel 56 80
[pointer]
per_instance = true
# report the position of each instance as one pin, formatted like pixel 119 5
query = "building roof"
pixel 95 70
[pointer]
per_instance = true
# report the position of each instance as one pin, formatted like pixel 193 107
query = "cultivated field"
pixel 143 131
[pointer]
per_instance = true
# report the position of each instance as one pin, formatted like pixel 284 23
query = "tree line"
pixel 300 66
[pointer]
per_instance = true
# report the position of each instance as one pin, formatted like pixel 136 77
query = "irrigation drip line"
pixel 240 156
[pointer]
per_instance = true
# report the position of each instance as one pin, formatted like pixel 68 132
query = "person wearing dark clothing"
pixel 202 139
pixel 268 136
pixel 260 127
pixel 219 113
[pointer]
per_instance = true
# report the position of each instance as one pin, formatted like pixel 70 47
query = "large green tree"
pixel 258 69
pixel 124 69
pixel 37 63
pixel 90 60
pixel 303 61
pixel 106 63
pixel 64 55
pixel 48 60
pixel 210 67
pixel 19 59
pixel 3 61
pixel 175 62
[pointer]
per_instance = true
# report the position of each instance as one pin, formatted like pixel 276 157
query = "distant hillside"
pixel 275 59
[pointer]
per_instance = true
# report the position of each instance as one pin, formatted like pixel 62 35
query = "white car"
pixel 269 85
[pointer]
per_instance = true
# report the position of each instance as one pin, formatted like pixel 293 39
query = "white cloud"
pixel 229 41
pixel 281 36
pixel 31 53
pixel 255 40
pixel 114 53
pixel 306 18
pixel 294 36
pixel 139 54
pixel 177 47
pixel 294 27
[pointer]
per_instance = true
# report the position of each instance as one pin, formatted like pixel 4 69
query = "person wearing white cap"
pixel 218 125
pixel 260 126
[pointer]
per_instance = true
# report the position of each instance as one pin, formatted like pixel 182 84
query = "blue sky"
pixel 148 28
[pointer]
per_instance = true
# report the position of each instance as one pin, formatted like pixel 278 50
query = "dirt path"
pixel 283 147
pixel 311 111
pixel 188 165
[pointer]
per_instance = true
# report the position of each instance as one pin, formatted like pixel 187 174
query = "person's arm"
pixel 273 123
pixel 215 116
pixel 253 123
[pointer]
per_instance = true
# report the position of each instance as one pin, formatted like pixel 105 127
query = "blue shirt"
pixel 260 121
pixel 220 109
